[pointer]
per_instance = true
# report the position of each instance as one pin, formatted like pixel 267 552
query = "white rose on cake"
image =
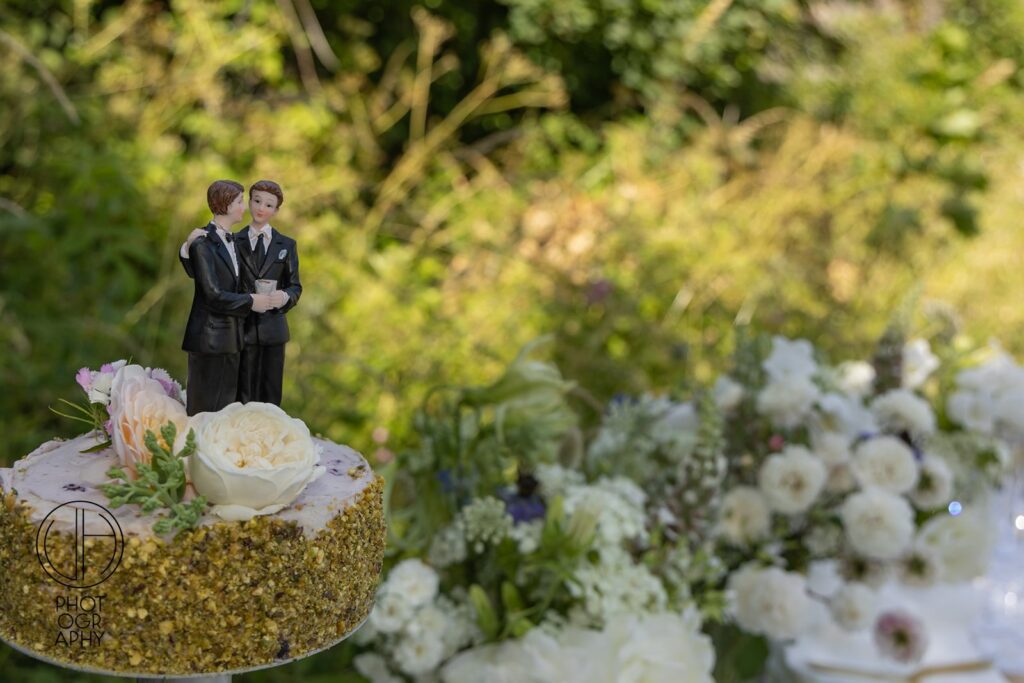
pixel 251 459
pixel 139 403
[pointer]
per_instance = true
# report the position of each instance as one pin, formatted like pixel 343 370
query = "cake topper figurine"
pixel 214 332
pixel 268 265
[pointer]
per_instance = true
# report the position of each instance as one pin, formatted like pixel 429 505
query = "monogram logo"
pixel 79 561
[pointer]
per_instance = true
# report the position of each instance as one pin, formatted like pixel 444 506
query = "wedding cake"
pixel 237 541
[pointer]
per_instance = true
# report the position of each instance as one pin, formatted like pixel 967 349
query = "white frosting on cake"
pixel 58 472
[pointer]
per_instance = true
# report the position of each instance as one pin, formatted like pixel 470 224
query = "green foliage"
pixel 159 483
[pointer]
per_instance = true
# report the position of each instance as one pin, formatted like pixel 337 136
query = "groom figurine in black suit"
pixel 271 257
pixel 214 333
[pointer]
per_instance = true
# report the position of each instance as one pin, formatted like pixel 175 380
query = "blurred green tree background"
pixel 635 177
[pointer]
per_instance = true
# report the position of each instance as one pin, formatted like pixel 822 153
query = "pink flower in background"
pixel 776 442
pixel 901 636
pixel 84 379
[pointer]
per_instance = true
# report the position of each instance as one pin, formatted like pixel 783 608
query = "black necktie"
pixel 261 252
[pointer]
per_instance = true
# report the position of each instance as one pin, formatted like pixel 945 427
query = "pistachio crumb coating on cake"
pixel 221 597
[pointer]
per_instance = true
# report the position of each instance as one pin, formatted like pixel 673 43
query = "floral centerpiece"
pixel 783 493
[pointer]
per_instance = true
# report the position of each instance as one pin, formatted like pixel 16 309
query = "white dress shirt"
pixel 221 232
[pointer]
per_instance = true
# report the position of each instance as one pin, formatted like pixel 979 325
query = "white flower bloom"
pixel 771 602
pixel 744 516
pixel 555 480
pixel 973 410
pixel 792 480
pixel 786 402
pixel 414 581
pixel 903 410
pixel 879 525
pixel 918 363
pixel 616 585
pixel 727 393
pixel 390 613
pixel 375 668
pixel 845 414
pixel 619 503
pixel 854 607
pixel 856 378
pixel 935 485
pixel 527 535
pixel 832 447
pixel 491 663
pixel 250 459
pixel 963 543
pixel 419 653
pixel 661 648
pixel 885 462
pixel 790 359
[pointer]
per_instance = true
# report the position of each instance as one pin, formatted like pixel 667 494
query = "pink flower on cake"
pixel 250 459
pixel 139 403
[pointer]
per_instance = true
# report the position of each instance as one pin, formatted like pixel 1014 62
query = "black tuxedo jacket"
pixel 281 265
pixel 219 305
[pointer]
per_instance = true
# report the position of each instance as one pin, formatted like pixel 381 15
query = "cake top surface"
pixel 58 472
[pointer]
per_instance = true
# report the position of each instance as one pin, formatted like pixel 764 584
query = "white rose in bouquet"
pixel 963 544
pixel 414 581
pixel 771 602
pixel 856 377
pixel 744 517
pixel 661 648
pixel 727 393
pixel 137 404
pixel 903 410
pixel 885 462
pixel 250 459
pixel 879 525
pixel 790 358
pixel 792 480
pixel 786 402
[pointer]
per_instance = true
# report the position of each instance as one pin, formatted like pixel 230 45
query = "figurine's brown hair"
pixel 220 195
pixel 268 186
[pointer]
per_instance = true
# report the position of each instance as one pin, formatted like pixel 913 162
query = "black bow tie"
pixel 228 237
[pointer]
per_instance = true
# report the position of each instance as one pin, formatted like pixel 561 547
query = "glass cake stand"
pixel 211 677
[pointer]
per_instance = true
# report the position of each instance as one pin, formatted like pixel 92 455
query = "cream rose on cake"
pixel 250 459
pixel 139 403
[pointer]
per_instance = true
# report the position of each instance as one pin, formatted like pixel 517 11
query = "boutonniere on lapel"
pixel 281 254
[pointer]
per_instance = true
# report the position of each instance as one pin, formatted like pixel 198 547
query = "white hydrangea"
pixel 727 393
pixel 616 585
pixel 963 544
pixel 771 602
pixel 414 581
pixel 786 402
pixel 790 358
pixel 918 363
pixel 901 410
pixel 885 462
pixel 854 607
pixel 448 546
pixel 879 525
pixel 856 378
pixel 935 484
pixel 744 517
pixel 792 480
